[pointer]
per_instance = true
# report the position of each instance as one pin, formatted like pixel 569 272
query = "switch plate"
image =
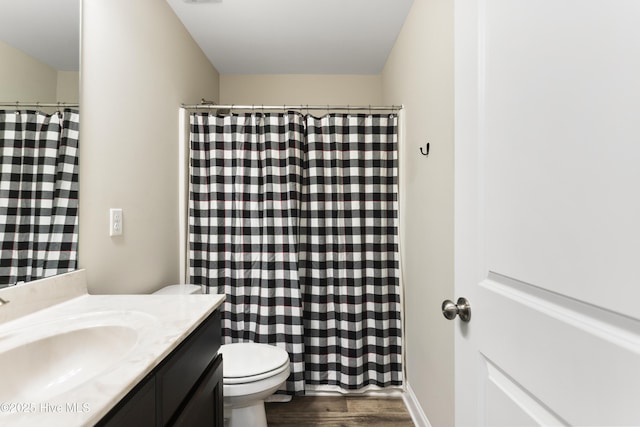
pixel 115 222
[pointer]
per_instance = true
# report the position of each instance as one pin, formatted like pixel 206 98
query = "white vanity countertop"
pixel 161 323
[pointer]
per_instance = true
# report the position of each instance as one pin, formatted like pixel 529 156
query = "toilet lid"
pixel 241 360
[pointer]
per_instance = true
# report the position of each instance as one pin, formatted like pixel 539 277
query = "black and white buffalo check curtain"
pixel 295 219
pixel 38 194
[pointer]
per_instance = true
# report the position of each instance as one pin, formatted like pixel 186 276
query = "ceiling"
pixel 238 36
pixel 48 30
pixel 294 36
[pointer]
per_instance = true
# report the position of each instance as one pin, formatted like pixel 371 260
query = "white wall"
pixel 419 75
pixel 304 89
pixel 138 65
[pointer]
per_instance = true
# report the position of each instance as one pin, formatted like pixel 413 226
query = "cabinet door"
pixel 138 409
pixel 185 367
pixel 205 407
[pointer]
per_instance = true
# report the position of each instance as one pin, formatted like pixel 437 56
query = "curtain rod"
pixel 208 106
pixel 39 104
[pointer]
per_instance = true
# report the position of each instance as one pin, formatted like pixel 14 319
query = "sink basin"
pixel 41 369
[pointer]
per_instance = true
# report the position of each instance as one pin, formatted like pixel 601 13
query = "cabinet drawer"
pixel 184 367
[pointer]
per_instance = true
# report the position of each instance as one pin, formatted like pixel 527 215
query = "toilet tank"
pixel 179 290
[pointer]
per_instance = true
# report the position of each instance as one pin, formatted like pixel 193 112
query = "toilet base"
pixel 253 415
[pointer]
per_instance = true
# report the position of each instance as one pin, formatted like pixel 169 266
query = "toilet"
pixel 251 373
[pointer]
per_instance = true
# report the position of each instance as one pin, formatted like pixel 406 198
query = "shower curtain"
pixel 294 218
pixel 245 190
pixel 38 194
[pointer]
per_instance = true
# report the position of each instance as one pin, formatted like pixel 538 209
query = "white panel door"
pixel 547 205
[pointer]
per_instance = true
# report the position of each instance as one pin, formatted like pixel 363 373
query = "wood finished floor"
pixel 338 411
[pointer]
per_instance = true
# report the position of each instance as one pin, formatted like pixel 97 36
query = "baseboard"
pixel 415 410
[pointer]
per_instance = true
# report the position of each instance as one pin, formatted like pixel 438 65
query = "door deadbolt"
pixel 461 308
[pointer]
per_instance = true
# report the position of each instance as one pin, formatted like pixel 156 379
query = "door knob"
pixel 461 308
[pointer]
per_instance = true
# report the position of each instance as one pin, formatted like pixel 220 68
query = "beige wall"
pixel 304 89
pixel 138 65
pixel 68 86
pixel 419 75
pixel 24 78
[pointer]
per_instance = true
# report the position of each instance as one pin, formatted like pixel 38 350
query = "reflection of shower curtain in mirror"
pixel 38 194
pixel 294 218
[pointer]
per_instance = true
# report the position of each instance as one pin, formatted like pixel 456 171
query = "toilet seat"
pixel 250 362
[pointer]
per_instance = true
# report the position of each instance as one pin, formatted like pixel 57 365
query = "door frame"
pixel 468 196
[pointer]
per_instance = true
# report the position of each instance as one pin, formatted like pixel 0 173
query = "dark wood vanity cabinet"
pixel 185 389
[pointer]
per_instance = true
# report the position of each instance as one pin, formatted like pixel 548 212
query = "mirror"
pixel 39 54
pixel 40 50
